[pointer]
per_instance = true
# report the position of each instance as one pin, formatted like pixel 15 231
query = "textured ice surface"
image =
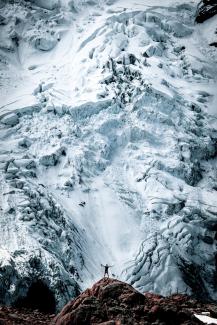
pixel 112 104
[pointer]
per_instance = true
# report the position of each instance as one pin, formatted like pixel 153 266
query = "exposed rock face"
pixel 113 302
pixel 14 316
pixel 206 10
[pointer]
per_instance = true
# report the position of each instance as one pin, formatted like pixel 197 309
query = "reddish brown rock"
pixel 23 316
pixel 112 302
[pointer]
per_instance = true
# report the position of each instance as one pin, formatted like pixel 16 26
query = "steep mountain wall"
pixel 108 147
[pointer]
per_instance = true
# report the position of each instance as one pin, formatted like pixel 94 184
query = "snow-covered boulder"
pixel 12 169
pixel 153 50
pixel 25 163
pixel 45 43
pixel 24 142
pixel 10 119
pixel 49 160
pixel 47 4
pixel 52 159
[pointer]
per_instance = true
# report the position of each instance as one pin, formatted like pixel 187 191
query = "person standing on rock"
pixel 106 269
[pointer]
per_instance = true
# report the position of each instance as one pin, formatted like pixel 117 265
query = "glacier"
pixel 113 104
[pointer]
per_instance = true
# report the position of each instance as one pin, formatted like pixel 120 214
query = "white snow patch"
pixel 206 319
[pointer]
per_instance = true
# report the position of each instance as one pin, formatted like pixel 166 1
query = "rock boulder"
pixel 111 301
pixel 10 119
pixel 206 10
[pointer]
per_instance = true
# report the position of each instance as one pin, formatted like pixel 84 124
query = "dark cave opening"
pixel 39 297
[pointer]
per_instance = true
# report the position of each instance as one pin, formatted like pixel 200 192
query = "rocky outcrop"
pixel 10 120
pixel 206 10
pixel 112 302
pixel 14 316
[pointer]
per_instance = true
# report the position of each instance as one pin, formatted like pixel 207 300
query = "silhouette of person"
pixel 106 269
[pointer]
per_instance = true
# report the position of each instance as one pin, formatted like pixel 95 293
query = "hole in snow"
pixel 39 297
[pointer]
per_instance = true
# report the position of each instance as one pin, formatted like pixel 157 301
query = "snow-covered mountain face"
pixel 108 146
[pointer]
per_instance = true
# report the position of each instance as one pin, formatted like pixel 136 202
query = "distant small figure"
pixel 82 204
pixel 106 269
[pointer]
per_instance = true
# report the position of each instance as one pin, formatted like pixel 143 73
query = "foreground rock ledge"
pixel 112 302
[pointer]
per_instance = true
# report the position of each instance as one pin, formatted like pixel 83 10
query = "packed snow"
pixel 108 146
pixel 206 319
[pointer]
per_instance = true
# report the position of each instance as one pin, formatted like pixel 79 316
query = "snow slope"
pixel 111 103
